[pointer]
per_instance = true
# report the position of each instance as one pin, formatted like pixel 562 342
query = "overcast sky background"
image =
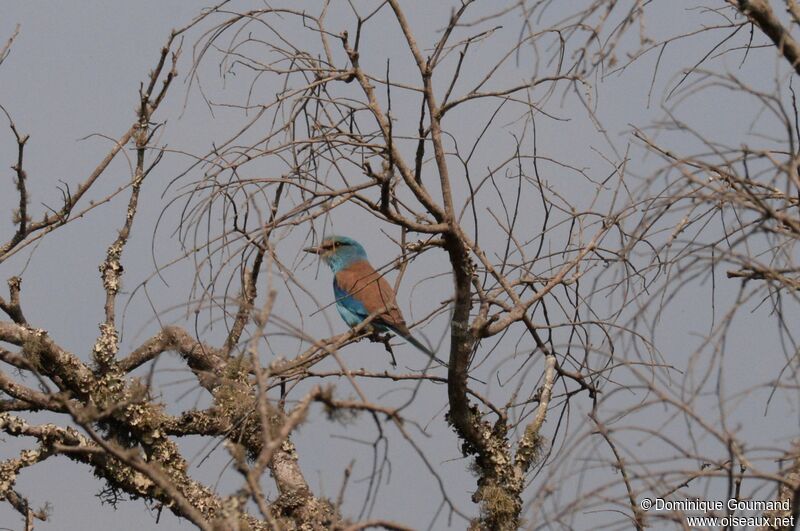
pixel 74 71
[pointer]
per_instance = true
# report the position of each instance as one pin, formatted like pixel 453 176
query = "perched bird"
pixel 361 291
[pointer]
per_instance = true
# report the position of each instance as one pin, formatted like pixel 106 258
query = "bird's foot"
pixel 377 337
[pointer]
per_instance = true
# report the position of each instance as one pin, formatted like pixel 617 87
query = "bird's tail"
pixel 411 339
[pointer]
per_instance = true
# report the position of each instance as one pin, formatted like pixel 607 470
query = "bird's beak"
pixel 314 250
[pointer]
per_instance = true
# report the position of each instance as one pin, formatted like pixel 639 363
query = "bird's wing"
pixel 370 293
pixel 363 292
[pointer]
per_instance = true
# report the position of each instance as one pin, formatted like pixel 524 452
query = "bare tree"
pixel 719 190
pixel 559 389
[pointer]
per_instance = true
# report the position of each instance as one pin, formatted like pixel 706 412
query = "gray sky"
pixel 74 71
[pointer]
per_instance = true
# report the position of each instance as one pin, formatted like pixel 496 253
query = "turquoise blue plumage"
pixel 361 291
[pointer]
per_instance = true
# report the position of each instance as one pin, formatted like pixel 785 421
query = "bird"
pixel 361 291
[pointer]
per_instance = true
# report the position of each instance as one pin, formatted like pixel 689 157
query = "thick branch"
pixel 760 13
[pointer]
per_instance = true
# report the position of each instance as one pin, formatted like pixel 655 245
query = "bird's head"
pixel 339 252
